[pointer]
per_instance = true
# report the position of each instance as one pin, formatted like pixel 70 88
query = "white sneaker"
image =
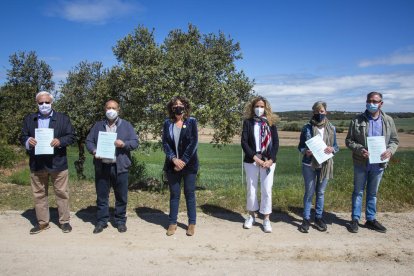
pixel 266 226
pixel 249 222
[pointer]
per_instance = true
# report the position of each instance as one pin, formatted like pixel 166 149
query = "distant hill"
pixel 333 115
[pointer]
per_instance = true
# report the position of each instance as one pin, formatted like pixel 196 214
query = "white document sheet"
pixel 44 137
pixel 317 146
pixel 106 147
pixel 376 147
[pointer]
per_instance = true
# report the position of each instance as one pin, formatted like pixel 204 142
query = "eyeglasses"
pixel 42 103
pixel 373 101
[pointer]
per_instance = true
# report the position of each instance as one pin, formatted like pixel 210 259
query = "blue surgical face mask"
pixel 372 108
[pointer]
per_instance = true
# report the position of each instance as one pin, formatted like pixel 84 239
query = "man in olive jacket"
pixel 372 122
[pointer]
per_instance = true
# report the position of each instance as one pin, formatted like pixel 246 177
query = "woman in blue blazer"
pixel 180 140
pixel 260 143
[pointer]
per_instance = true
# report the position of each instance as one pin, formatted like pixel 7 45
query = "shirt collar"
pixel 116 121
pixel 369 116
pixel 40 116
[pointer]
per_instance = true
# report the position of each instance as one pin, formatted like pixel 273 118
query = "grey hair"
pixel 317 106
pixel 373 93
pixel 41 93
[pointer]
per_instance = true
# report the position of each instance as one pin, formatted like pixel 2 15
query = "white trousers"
pixel 253 172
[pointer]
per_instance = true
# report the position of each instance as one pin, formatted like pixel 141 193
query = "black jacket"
pixel 63 131
pixel 248 141
pixel 187 145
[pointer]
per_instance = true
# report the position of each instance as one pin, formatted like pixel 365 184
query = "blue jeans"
pixel 174 180
pixel 106 176
pixel 372 180
pixel 313 184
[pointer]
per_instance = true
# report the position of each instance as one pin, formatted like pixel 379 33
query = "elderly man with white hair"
pixel 50 164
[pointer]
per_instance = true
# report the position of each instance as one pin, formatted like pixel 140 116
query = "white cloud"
pixel 93 11
pixel 59 76
pixel 400 57
pixel 343 93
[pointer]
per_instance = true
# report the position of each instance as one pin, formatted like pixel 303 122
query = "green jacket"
pixel 356 139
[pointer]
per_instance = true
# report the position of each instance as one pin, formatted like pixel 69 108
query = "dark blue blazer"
pixel 125 132
pixel 63 131
pixel 248 142
pixel 187 145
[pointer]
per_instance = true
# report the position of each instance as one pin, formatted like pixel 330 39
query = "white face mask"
pixel 45 108
pixel 111 114
pixel 259 111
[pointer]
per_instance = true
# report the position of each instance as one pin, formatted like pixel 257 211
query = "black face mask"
pixel 319 117
pixel 178 110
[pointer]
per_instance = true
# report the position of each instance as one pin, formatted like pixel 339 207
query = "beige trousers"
pixel 40 188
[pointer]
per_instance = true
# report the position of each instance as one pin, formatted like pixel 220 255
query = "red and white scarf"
pixel 265 136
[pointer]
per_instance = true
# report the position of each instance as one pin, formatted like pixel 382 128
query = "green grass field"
pixel 222 184
pixel 407 124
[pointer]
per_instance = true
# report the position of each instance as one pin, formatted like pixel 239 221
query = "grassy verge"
pixel 221 183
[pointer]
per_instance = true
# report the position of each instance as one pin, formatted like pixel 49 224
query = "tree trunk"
pixel 81 160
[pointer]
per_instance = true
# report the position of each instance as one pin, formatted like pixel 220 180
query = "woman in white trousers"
pixel 260 143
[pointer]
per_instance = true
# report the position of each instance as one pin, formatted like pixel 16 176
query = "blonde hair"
pixel 318 106
pixel 249 110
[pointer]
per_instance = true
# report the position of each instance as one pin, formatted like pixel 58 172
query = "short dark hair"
pixel 373 93
pixel 185 102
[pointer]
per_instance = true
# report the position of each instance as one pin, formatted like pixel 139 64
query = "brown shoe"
pixel 39 228
pixel 190 230
pixel 171 229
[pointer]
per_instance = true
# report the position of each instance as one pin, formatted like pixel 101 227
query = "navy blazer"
pixel 187 145
pixel 125 132
pixel 63 131
pixel 248 142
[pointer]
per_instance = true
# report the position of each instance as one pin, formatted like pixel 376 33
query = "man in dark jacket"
pixel 112 171
pixel 50 163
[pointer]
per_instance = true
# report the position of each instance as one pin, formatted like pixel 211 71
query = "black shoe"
pixel 353 226
pixel 66 228
pixel 99 228
pixel 320 224
pixel 39 228
pixel 304 227
pixel 375 225
pixel 122 228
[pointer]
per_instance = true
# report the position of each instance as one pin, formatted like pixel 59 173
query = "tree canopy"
pixel 83 101
pixel 27 76
pixel 199 67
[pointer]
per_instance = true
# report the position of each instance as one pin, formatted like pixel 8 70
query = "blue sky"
pixel 297 51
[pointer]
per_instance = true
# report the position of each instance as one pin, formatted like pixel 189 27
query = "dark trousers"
pixel 106 176
pixel 174 180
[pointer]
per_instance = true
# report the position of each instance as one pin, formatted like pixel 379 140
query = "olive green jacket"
pixel 356 139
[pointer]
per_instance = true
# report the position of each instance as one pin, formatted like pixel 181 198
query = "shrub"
pixel 400 130
pixel 340 130
pixel 292 127
pixel 137 171
pixel 8 156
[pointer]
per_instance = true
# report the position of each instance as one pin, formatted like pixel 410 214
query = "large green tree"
pixel 27 76
pixel 188 63
pixel 82 98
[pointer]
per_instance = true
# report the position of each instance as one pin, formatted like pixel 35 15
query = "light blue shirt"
pixel 374 129
pixel 42 122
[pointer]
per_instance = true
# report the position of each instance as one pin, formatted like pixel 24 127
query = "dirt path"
pixel 220 247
